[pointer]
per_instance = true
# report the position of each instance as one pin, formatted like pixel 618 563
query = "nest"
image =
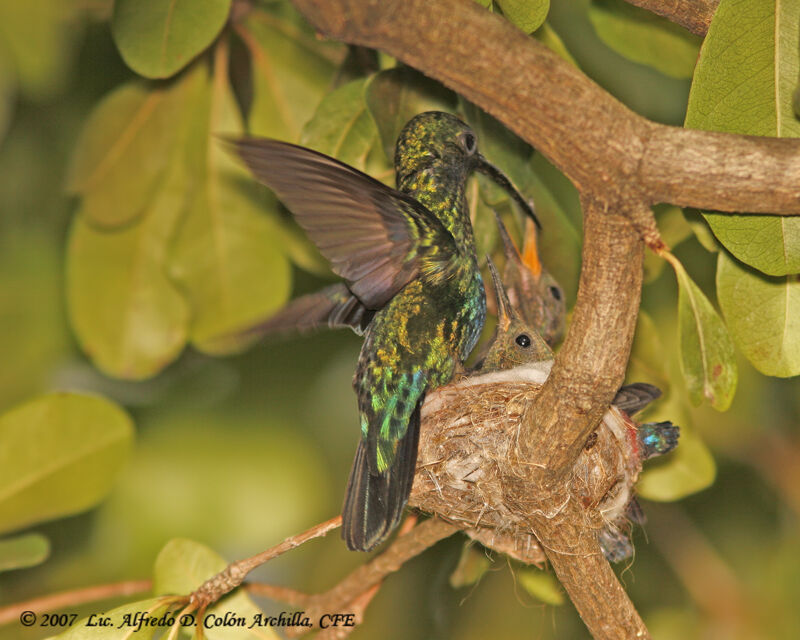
pixel 470 472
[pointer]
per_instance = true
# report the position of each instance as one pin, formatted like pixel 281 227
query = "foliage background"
pixel 239 451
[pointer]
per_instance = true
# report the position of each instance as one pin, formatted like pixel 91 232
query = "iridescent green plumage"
pixel 411 284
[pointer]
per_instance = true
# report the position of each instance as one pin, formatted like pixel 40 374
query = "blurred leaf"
pixel 549 38
pixel 763 314
pixel 394 96
pixel 541 585
pixel 484 225
pixel 641 36
pixel 342 126
pixel 123 152
pixel 121 619
pixel 227 256
pixel 157 38
pixel 484 3
pixel 302 251
pixel 648 356
pixel 748 69
pixel 707 358
pixel 35 36
pixel 291 71
pixel 23 551
pixel 8 90
pixel 674 230
pixel 528 15
pixel 60 454
pixel 701 231
pixel 183 565
pixel 472 565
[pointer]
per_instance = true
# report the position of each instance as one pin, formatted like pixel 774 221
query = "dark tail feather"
pixel 632 398
pixel 374 503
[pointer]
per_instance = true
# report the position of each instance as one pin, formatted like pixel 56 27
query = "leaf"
pixel 36 36
pixel 23 551
pixel 674 230
pixel 472 565
pixel 707 357
pixel 342 126
pixel 123 151
pixel 158 38
pixel 228 256
pixel 394 96
pixel 60 455
pixel 541 585
pixel 748 69
pixel 292 70
pixel 763 314
pixel 122 623
pixel 641 36
pixel 183 565
pixel 528 15
pixel 648 355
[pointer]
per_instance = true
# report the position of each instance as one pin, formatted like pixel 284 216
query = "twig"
pixel 278 594
pixel 693 15
pixel 225 581
pixel 73 598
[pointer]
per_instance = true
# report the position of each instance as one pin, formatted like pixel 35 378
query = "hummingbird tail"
pixel 374 502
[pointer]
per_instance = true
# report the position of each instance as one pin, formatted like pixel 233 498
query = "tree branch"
pixel 693 15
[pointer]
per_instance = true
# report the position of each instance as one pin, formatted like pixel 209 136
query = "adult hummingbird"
pixel 411 285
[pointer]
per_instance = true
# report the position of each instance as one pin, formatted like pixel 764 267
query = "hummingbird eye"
pixel 523 340
pixel 468 142
pixel 555 292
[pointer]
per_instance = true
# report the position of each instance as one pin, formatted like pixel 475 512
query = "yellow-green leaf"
pixel 342 126
pixel 183 565
pixel 763 314
pixel 228 256
pixel 23 551
pixel 541 585
pixel 123 151
pixel 157 38
pixel 472 565
pixel 528 15
pixel 292 70
pixel 708 361
pixel 59 454
pixel 549 38
pixel 747 73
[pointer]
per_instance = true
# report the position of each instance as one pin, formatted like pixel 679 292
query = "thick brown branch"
pixel 594 139
pixel 693 15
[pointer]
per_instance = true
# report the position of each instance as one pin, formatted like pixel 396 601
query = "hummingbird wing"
pixel 632 398
pixel 375 237
pixel 334 306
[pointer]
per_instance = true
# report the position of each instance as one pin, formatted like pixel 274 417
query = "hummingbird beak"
pixel 504 309
pixel 488 169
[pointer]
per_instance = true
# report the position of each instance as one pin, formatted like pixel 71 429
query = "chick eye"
pixel 468 142
pixel 523 340
pixel 555 292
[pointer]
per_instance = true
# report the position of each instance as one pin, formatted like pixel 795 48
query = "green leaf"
pixel 123 152
pixel 763 314
pixel 641 36
pixel 292 69
pixel 674 230
pixel 122 623
pixel 157 38
pixel 472 565
pixel 648 356
pixel 748 70
pixel 342 127
pixel 183 565
pixel 60 455
pixel 394 96
pixel 228 257
pixel 707 357
pixel 23 551
pixel 541 585
pixel 528 15
pixel 36 36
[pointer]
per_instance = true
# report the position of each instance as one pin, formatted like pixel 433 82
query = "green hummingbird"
pixel 411 285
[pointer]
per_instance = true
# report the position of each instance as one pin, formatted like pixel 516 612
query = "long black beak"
pixel 504 308
pixel 488 169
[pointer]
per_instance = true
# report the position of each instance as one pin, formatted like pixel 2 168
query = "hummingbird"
pixel 411 285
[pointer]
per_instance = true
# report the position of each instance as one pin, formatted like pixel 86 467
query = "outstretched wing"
pixel 376 238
